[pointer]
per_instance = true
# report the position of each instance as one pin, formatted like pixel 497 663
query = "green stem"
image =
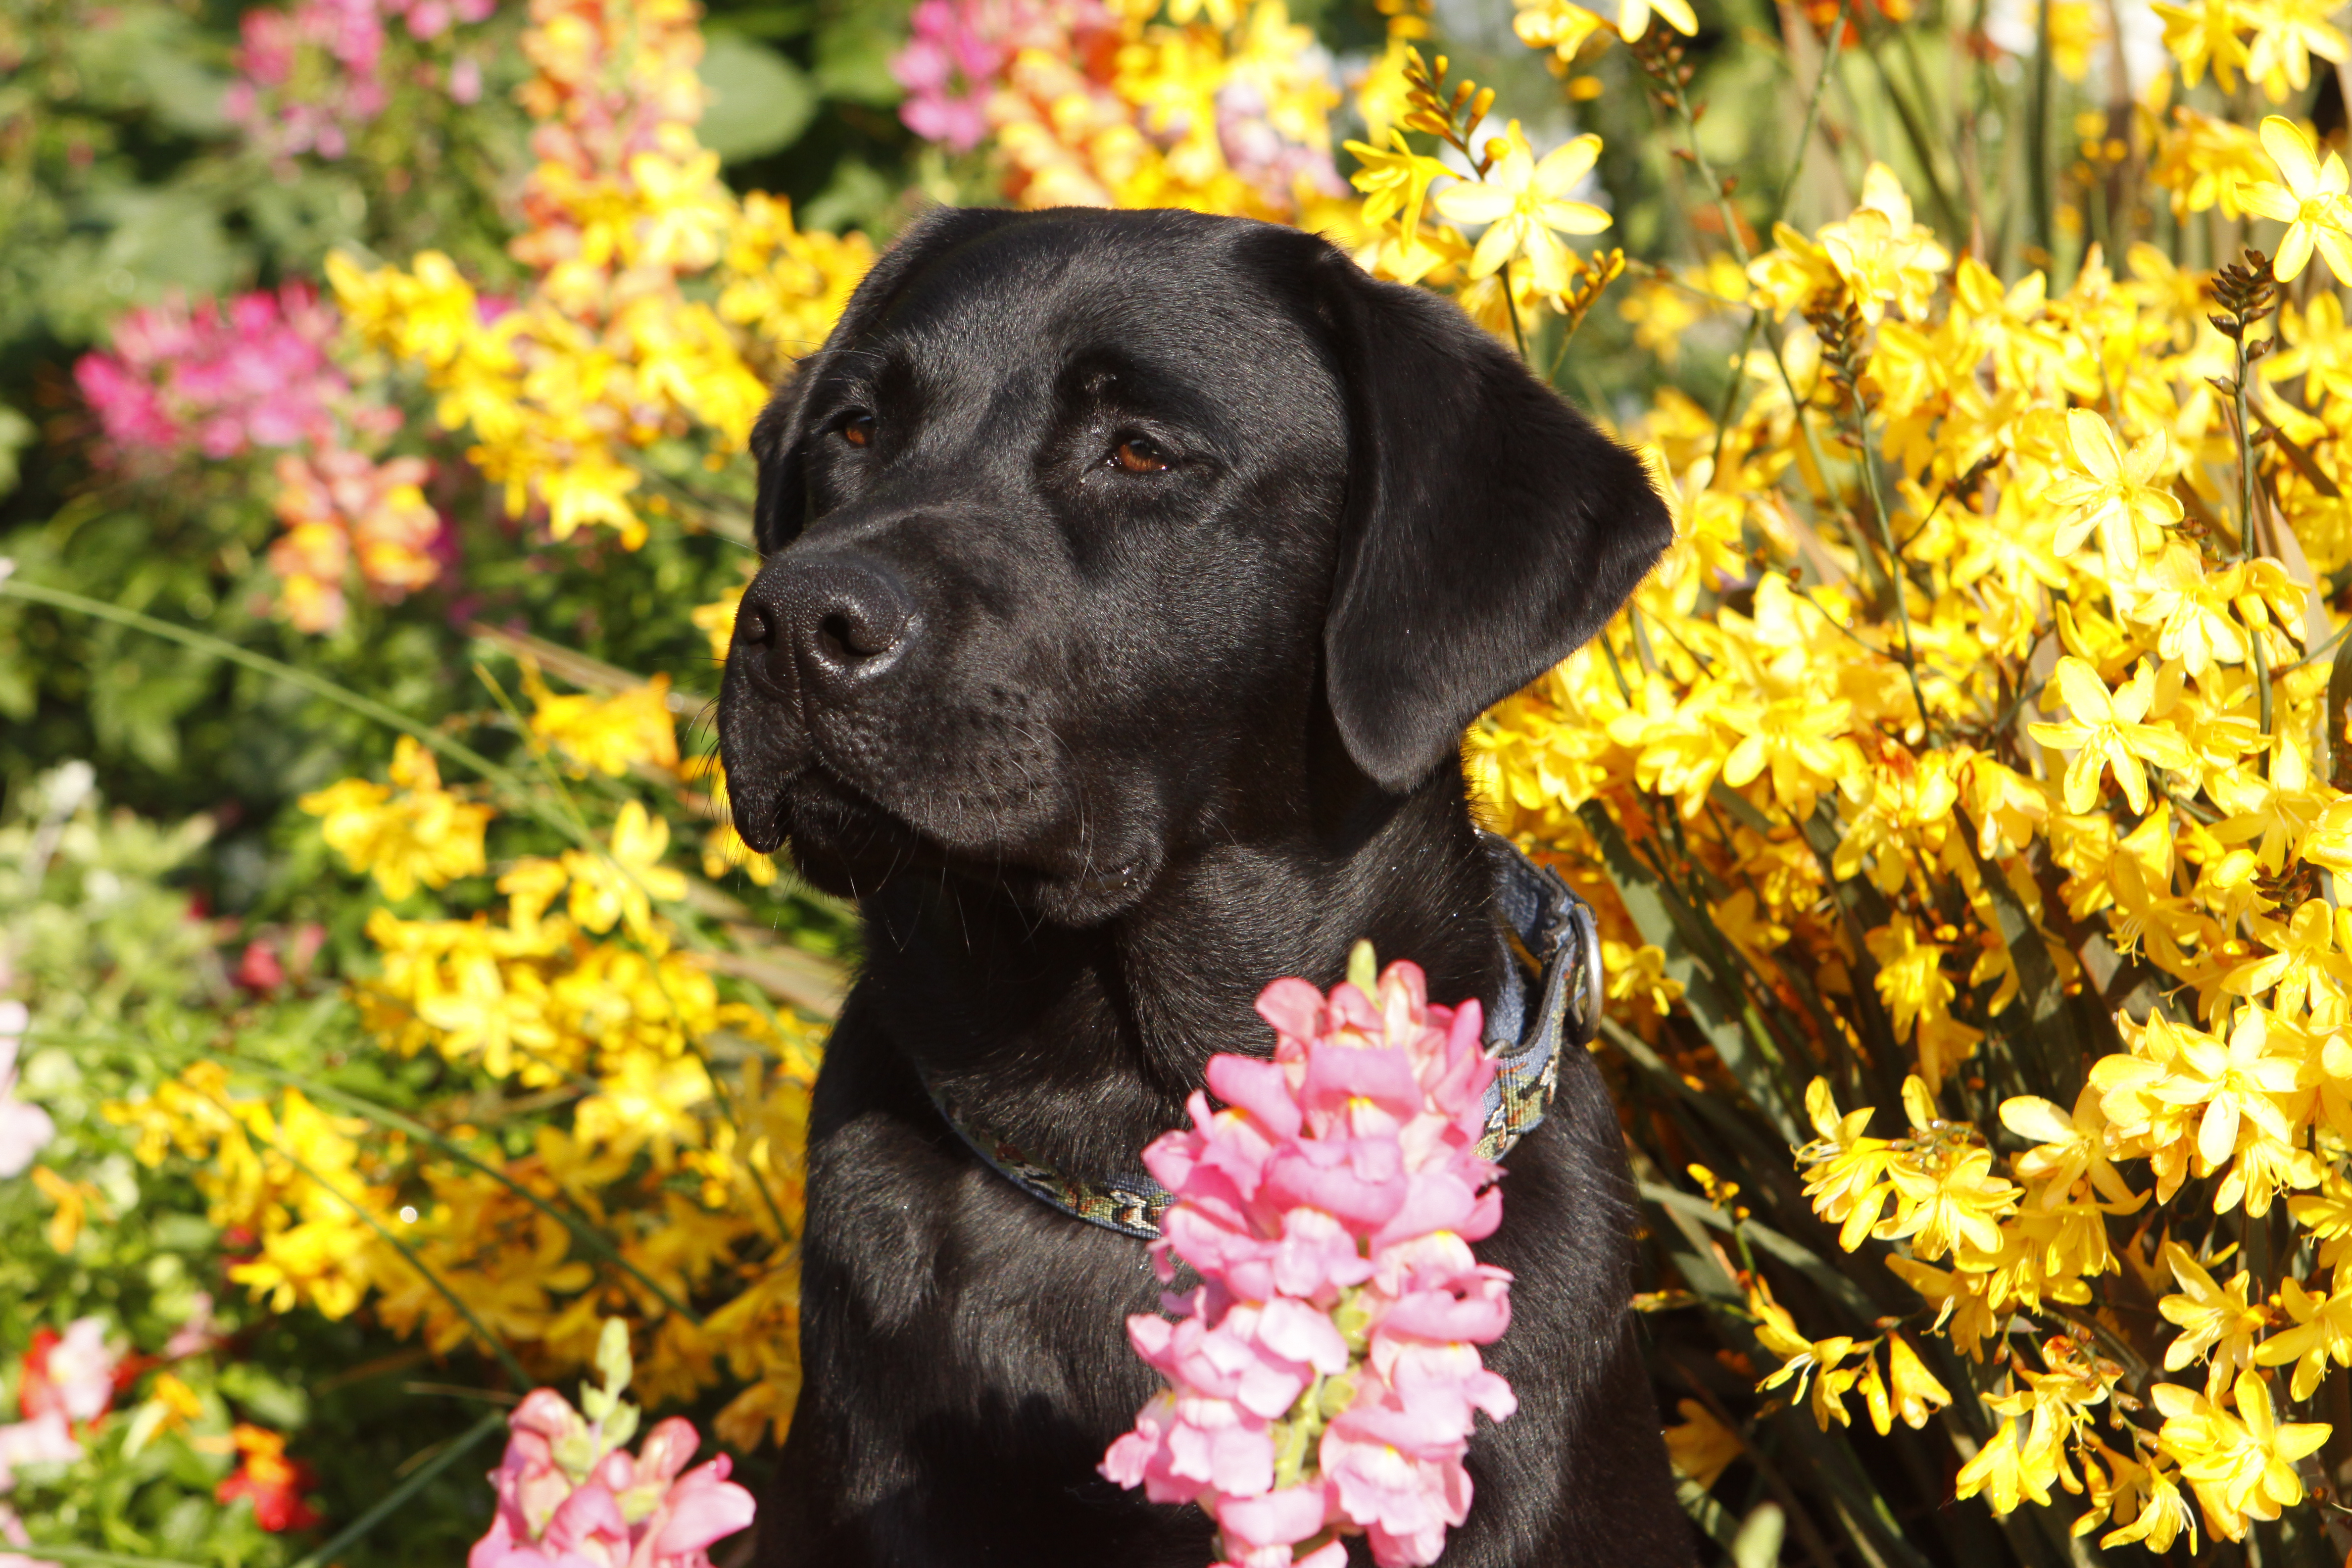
pixel 2246 533
pixel 1922 147
pixel 57 1550
pixel 2037 147
pixel 221 647
pixel 1512 305
pixel 384 1116
pixel 457 1448
pixel 1780 210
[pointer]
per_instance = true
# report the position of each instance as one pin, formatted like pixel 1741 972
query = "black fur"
pixel 1100 752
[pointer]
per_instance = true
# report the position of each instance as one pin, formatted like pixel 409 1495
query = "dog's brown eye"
pixel 1139 455
pixel 859 430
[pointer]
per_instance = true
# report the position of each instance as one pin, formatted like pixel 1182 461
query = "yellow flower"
pixel 1701 1447
pixel 2068 1148
pixel 1797 737
pixel 2106 732
pixel 1883 254
pixel 2202 33
pixel 2217 1323
pixel 1395 181
pixel 1634 17
pixel 1911 980
pixel 2241 1467
pixel 2235 1083
pixel 1914 1390
pixel 607 735
pixel 1557 26
pixel 1522 202
pixel 1845 1171
pixel 1640 973
pixel 2287 33
pixel 606 889
pixel 422 834
pixel 2322 1332
pixel 1954 1205
pixel 2311 201
pixel 2207 161
pixel 2109 491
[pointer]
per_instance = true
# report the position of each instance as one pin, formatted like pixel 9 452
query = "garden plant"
pixel 393 1034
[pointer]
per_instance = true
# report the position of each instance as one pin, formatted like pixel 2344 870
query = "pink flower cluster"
pixel 947 67
pixel 290 110
pixel 1322 1376
pixel 571 1496
pixel 181 380
pixel 958 51
pixel 225 381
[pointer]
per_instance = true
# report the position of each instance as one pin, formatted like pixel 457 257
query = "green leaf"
pixel 853 57
pixel 760 101
pixel 1659 914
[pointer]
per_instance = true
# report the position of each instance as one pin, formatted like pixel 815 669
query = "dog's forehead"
pixel 1188 301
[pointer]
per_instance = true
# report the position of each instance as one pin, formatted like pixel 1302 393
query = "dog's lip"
pixel 982 864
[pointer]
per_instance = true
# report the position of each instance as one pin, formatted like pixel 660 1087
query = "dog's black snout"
pixel 839 617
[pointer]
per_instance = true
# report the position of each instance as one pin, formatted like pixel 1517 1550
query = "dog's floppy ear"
pixel 780 510
pixel 1490 528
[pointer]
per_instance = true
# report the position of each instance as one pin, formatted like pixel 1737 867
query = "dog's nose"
pixel 838 617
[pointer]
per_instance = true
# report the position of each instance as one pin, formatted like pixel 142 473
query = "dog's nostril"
pixel 838 617
pixel 839 641
pixel 753 627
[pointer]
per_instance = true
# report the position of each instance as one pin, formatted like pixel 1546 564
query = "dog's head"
pixel 1083 525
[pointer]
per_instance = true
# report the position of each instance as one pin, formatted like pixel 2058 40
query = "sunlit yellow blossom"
pixel 1555 24
pixel 2241 1467
pixel 607 735
pixel 2217 1323
pixel 2310 200
pixel 2201 33
pixel 1523 201
pixel 2287 33
pixel 422 834
pixel 617 888
pixel 2109 492
pixel 2322 1332
pixel 2107 733
pixel 1395 179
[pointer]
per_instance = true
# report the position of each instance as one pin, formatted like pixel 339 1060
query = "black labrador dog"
pixel 1130 578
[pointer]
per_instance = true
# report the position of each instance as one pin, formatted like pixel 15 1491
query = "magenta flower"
pixel 181 381
pixel 1324 1379
pixel 947 67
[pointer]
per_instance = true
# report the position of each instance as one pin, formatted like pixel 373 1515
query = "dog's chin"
pixel 853 848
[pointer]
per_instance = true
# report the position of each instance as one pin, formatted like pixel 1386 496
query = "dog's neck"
pixel 1081 1046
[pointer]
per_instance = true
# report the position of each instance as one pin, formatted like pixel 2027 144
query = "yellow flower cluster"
pixel 1118 106
pixel 678 1146
pixel 422 834
pixel 607 352
pixel 1979 713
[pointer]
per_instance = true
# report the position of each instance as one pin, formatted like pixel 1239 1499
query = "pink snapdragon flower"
pixel 571 1496
pixel 1323 1378
pixel 217 382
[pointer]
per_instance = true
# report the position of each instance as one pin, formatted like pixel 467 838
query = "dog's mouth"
pixel 850 843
